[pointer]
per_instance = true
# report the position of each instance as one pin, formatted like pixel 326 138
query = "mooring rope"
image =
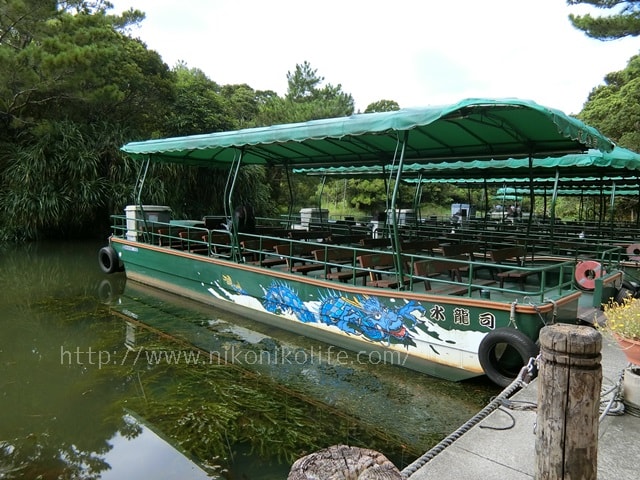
pixel 518 382
pixel 613 406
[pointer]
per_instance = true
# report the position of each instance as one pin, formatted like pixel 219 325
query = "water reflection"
pixel 147 455
pixel 81 352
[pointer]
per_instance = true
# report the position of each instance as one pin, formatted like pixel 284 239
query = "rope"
pixel 613 406
pixel 517 383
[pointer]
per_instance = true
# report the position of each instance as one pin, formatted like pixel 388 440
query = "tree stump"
pixel 342 462
pixel 568 403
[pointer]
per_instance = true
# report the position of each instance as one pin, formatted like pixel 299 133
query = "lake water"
pixel 106 379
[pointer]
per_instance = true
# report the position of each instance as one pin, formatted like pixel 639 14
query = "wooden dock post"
pixel 569 382
pixel 342 462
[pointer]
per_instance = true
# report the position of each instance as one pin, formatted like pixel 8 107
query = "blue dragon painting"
pixel 361 315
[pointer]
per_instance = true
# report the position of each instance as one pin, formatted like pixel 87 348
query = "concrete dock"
pixel 503 447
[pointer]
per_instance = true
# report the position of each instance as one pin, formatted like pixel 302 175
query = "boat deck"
pixel 500 264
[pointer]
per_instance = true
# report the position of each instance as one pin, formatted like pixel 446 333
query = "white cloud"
pixel 416 52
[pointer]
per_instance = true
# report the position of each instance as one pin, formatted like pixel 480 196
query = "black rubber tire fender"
pixel 108 260
pixel 503 352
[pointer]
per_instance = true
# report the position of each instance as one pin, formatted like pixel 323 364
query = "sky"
pixel 416 52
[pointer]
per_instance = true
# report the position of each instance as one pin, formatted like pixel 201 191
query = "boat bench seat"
pixel 260 251
pixel 342 260
pixel 345 239
pixel 192 241
pixel 314 235
pixel 375 242
pixel 272 261
pixel 419 246
pixel 220 244
pixel 378 262
pixel 511 254
pixel 292 253
pixel 168 237
pixel 436 267
pixel 468 250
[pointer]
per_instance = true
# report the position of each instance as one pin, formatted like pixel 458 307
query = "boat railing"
pixel 188 235
pixel 554 277
pixel 538 243
pixel 118 226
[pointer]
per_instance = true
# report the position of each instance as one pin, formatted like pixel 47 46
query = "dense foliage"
pixel 75 86
pixel 613 107
pixel 623 19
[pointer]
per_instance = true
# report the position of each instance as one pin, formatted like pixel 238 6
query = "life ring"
pixel 586 274
pixel 503 352
pixel 108 259
pixel 633 251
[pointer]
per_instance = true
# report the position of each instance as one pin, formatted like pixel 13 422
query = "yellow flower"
pixel 623 318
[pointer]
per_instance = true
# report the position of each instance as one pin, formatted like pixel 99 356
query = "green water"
pixel 101 378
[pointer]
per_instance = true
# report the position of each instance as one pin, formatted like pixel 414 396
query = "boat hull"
pixel 437 335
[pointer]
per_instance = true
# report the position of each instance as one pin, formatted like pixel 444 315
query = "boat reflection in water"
pixel 249 397
pixel 78 403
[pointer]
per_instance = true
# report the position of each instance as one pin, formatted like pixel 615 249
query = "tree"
pixel 382 106
pixel 197 106
pixel 74 66
pixel 623 21
pixel 306 99
pixel 614 109
pixel 71 85
pixel 242 102
pixel 56 179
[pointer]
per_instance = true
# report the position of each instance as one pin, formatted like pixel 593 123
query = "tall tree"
pixel 73 66
pixel 614 108
pixel 72 85
pixel 623 20
pixel 306 99
pixel 197 106
pixel 243 102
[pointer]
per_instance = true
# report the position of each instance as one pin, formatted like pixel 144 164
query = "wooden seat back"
pixel 514 254
pixel 168 237
pixel 333 255
pixel 375 242
pixel 424 245
pixel 457 249
pixel 376 262
pixel 342 260
pixel 435 267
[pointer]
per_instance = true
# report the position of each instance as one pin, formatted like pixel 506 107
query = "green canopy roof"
pixel 523 193
pixel 593 163
pixel 472 128
pixel 593 167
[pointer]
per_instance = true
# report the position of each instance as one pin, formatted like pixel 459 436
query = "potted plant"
pixel 623 323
